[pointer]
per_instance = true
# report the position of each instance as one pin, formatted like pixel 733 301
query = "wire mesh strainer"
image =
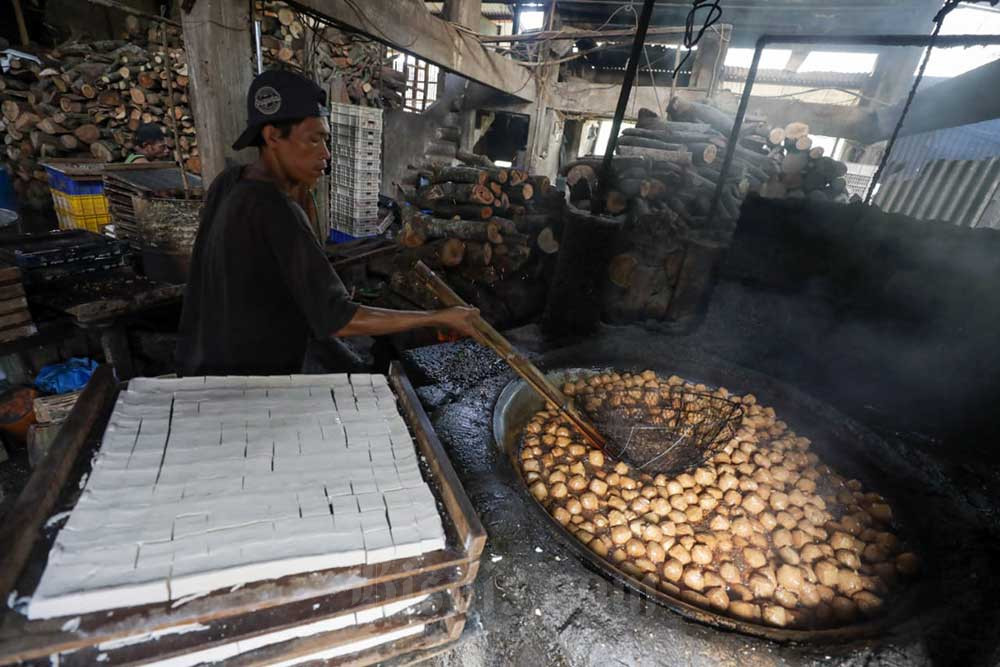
pixel 662 431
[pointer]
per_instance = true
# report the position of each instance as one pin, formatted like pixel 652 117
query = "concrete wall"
pixel 406 136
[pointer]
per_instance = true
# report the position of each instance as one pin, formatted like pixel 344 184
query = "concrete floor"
pixel 536 604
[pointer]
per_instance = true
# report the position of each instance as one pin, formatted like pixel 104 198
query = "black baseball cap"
pixel 148 133
pixel 276 96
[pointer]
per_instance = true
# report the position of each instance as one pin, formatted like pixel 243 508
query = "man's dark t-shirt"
pixel 259 284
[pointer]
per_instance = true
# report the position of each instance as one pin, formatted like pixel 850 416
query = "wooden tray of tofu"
pixel 397 606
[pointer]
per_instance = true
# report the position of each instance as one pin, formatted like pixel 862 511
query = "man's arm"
pixel 369 321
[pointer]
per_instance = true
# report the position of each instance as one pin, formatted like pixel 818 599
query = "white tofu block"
pixel 344 505
pixel 379 546
pixel 369 615
pixel 81 602
pixel 347 523
pixel 408 542
pixel 369 502
pixel 373 521
pixel 360 487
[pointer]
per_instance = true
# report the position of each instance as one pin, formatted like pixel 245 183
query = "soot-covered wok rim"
pixel 515 407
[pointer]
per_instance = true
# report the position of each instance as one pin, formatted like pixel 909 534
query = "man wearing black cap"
pixel 150 144
pixel 260 283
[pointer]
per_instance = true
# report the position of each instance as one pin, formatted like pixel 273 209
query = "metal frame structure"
pixel 928 40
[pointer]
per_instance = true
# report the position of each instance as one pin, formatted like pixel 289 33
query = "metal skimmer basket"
pixel 657 433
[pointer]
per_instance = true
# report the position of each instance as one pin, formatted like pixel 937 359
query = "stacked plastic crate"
pixel 356 174
pixel 78 194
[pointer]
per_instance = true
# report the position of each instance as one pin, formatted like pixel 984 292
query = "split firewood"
pixel 633 187
pixel 520 193
pixel 516 177
pixel 615 202
pixel 460 175
pixel 471 159
pixel 682 156
pixel 480 274
pixel 703 153
pixel 466 230
pixel 467 211
pixel 458 193
pixel 680 109
pixel 629 140
pixel 512 259
pixel 478 254
pixel 438 254
pixel 796 130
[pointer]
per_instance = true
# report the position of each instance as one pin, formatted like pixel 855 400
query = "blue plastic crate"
pixel 337 236
pixel 73 185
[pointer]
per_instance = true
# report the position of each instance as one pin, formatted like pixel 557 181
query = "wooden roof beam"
pixel 407 26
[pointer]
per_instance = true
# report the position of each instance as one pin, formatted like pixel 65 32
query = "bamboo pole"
pixel 494 340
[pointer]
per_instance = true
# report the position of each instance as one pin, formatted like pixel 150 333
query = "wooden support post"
pixel 892 76
pixel 709 59
pixel 467 13
pixel 463 12
pixel 218 37
pixel 22 29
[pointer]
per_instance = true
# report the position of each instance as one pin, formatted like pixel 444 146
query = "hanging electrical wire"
pixel 939 18
pixel 690 38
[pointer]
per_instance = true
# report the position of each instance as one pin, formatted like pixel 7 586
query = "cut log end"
pixel 452 252
pixel 547 241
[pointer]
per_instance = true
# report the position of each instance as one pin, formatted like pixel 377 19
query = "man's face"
pixel 303 153
pixel 155 150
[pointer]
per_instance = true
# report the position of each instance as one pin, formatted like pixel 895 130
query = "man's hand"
pixel 459 318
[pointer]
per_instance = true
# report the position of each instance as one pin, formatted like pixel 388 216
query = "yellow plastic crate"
pixel 88 212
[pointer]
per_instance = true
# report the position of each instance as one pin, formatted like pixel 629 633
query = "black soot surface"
pixel 536 604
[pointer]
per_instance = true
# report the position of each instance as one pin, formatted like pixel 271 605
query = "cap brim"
pixel 248 138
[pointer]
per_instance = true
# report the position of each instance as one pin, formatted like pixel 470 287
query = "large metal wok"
pixel 516 405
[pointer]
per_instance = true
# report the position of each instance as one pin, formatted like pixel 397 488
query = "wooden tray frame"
pixel 256 608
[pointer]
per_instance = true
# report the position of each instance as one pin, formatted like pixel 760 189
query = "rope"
pixel 690 38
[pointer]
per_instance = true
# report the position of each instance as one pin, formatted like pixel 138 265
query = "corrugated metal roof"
pixel 979 141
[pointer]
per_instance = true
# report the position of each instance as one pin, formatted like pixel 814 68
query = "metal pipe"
pixel 257 48
pixel 630 70
pixel 734 134
pixel 941 41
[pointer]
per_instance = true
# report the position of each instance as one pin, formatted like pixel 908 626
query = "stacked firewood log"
pixel 491 232
pixel 88 99
pixel 325 52
pixel 805 170
pixel 663 180
pixel 674 166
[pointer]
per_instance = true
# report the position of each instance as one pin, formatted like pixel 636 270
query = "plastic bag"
pixel 65 377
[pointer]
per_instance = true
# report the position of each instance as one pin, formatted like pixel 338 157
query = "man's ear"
pixel 269 134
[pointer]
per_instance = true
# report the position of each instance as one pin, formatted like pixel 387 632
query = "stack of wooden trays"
pixel 132 188
pixel 15 318
pixel 406 608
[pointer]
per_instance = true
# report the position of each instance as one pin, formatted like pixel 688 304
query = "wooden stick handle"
pixel 494 340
